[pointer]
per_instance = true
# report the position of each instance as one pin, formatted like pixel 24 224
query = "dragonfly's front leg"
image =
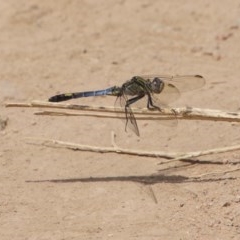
pixel 150 104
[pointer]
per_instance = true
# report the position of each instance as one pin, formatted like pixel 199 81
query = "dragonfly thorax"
pixel 156 85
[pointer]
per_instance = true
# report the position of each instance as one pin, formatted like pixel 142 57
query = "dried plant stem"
pixel 175 156
pixel 169 155
pixel 142 114
pixel 207 152
pixel 115 149
pixel 215 173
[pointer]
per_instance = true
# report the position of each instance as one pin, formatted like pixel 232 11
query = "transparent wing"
pixel 161 102
pixel 169 94
pixel 130 120
pixel 186 82
pixel 174 85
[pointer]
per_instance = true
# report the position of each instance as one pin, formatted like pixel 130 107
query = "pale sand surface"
pixel 47 47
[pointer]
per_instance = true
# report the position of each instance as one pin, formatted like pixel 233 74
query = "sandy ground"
pixel 47 47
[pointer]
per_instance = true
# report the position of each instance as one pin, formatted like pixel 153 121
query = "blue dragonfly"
pixel 157 91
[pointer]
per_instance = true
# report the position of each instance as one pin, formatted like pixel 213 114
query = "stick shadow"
pixel 147 179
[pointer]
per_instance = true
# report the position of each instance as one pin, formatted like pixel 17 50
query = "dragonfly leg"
pixel 150 104
pixel 174 112
pixel 134 99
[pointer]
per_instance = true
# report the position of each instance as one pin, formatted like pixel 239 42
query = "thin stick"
pixel 206 152
pixel 180 113
pixel 176 156
pixel 216 173
pixel 102 115
pixel 118 150
pixel 115 149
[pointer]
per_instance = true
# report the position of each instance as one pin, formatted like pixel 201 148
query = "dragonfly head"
pixel 157 85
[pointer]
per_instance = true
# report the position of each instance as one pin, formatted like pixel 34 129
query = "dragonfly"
pixel 157 91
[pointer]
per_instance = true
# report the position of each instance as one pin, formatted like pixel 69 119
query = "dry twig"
pixel 141 114
pixel 175 156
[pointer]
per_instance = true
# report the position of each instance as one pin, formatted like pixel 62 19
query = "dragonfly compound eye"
pixel 157 85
